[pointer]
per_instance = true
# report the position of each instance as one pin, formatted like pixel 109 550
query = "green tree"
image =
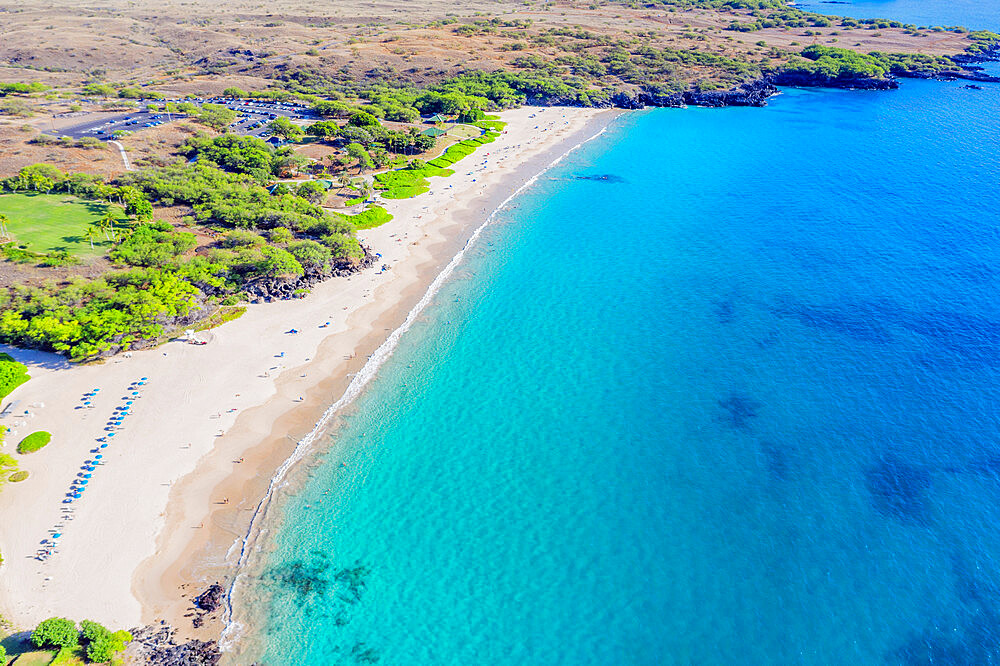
pixel 283 127
pixel 56 632
pixel 4 220
pixel 357 152
pixel 363 119
pixel 234 92
pixel 309 253
pixel 215 116
pixel 332 109
pixel 312 191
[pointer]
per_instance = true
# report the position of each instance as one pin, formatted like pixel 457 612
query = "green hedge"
pixel 493 125
pixel 33 442
pixel 17 477
pixel 374 216
pixel 12 374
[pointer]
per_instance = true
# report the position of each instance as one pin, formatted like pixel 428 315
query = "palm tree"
pixel 366 190
pixel 344 181
pixel 3 224
pixel 107 225
pixel 90 233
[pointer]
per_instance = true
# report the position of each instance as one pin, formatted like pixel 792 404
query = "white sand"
pixel 196 393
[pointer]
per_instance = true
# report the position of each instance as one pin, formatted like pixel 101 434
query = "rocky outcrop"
pixel 753 93
pixel 155 646
pixel 271 289
pixel 801 79
pixel 211 599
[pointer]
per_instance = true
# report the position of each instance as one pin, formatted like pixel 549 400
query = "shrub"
pixel 12 374
pixel 56 632
pixel 92 631
pixel 19 476
pixel 33 442
pixel 104 648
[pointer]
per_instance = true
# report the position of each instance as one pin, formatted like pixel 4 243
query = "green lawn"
pixel 49 222
pixel 39 658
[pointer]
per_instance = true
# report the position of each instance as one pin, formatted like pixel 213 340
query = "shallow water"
pixel 734 403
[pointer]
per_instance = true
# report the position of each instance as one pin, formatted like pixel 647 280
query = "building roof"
pixel 437 118
pixel 434 131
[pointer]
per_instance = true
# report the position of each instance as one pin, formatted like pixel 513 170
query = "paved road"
pixel 255 116
pixel 121 149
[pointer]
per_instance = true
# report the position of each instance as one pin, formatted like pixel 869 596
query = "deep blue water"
pixel 736 404
pixel 971 14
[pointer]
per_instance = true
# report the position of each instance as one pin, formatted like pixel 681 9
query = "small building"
pixel 437 118
pixel 434 132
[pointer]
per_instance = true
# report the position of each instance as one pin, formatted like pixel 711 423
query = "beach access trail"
pixel 210 423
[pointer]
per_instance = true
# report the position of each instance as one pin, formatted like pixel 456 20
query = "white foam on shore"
pixel 304 447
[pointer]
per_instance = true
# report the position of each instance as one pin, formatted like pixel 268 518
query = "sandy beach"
pixel 171 497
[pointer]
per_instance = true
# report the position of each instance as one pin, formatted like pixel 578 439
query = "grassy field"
pixel 49 222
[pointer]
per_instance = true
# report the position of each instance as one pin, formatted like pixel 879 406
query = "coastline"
pixel 250 395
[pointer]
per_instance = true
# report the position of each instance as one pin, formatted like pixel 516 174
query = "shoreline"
pixel 152 508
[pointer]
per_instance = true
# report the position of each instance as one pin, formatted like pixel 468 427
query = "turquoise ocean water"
pixel 735 401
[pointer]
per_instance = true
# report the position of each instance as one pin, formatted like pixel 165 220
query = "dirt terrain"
pixel 199 46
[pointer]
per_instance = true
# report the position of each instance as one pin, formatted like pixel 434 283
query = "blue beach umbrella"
pixel 104 446
pixel 98 457
pixel 143 378
pixel 57 535
pixel 111 434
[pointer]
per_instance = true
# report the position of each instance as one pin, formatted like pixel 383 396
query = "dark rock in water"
pixel 602 178
pixel 899 490
pixel 725 311
pixel 777 460
pixel 211 599
pixel 972 86
pixel 155 645
pixel 739 411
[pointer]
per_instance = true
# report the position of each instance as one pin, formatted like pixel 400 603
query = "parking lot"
pixel 254 116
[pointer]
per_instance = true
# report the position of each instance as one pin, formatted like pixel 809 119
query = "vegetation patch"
pixel 12 374
pixel 34 442
pixel 18 476
pixel 374 216
pixel 221 316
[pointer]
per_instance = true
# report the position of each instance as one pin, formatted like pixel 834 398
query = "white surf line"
pixel 121 149
pixel 231 632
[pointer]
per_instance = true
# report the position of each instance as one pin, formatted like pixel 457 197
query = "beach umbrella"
pixel 111 434
pixel 143 378
pixel 135 393
pixel 68 500
pixel 98 457
pixel 56 535
pixel 87 476
pixel 129 402
pixel 104 446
